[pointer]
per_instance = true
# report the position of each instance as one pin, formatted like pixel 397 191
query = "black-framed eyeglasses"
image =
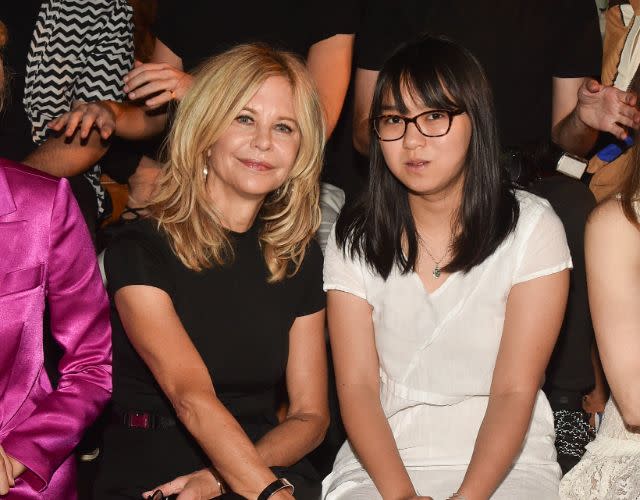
pixel 432 123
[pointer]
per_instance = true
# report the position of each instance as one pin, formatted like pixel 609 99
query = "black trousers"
pixel 570 369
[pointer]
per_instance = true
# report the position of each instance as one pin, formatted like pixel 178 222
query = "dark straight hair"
pixel 443 75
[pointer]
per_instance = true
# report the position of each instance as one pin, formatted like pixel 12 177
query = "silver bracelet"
pixel 457 496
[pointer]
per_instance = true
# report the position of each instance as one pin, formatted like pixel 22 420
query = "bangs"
pixel 436 75
pixel 430 91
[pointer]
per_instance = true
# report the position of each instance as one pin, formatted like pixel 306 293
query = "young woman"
pixel 446 292
pixel 218 294
pixel 46 259
pixel 610 469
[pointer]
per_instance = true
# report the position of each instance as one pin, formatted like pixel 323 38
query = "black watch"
pixel 279 484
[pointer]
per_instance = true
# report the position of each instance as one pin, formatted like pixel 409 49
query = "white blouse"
pixel 437 350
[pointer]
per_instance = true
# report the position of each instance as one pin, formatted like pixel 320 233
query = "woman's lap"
pixel 530 483
pixel 135 461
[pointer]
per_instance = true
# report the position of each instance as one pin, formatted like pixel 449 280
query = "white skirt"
pixel 533 482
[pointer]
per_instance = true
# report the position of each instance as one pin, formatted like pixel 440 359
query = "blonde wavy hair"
pixel 290 214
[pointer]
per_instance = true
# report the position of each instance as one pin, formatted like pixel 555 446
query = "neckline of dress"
pixel 438 291
pixel 248 233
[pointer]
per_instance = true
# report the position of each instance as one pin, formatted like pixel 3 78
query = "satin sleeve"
pixel 79 313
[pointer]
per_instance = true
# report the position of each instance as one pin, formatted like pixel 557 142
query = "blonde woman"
pixel 218 294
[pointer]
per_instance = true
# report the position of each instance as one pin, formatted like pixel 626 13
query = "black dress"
pixel 239 324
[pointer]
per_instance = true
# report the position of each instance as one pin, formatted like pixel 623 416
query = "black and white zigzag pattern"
pixel 80 50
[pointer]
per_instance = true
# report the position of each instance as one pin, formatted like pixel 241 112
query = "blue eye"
pixel 244 119
pixel 282 127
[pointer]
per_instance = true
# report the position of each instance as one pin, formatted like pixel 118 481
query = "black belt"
pixel 143 420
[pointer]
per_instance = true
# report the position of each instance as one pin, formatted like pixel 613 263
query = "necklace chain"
pixel 437 271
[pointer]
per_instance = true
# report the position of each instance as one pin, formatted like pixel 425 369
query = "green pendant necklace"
pixel 437 271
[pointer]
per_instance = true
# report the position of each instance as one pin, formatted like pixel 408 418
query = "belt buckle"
pixel 139 420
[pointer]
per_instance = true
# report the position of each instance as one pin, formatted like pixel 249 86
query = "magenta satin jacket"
pixel 46 255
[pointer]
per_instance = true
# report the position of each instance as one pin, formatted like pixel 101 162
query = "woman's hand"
pixel 594 403
pixel 10 469
pixel 86 116
pixel 6 473
pixel 156 83
pixel 199 485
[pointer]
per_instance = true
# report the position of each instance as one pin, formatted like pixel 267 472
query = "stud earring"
pixel 205 171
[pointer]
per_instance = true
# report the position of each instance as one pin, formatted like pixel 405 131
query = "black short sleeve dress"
pixel 239 324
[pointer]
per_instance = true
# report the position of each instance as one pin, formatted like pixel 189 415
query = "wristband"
pixel 221 487
pixel 279 484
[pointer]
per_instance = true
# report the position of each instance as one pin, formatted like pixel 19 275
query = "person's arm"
pixel 79 319
pixel 105 118
pixel 582 108
pixel 534 314
pixel 612 251
pixel 329 62
pixel 365 83
pixel 358 382
pixel 163 79
pixel 165 347
pixel 63 156
pixel 307 417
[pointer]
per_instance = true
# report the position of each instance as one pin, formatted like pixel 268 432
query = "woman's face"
pixel 254 156
pixel 427 165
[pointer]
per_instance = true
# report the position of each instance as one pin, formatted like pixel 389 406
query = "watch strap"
pixel 279 484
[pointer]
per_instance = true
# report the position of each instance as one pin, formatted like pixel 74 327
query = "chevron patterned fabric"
pixel 80 50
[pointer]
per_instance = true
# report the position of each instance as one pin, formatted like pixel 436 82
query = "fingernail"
pixel 126 88
pixel 132 95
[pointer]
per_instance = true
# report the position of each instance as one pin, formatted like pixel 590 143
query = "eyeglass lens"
pixel 430 123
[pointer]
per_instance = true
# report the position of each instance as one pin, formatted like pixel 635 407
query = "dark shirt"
pixel 15 127
pixel 237 321
pixel 199 29
pixel 521 44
